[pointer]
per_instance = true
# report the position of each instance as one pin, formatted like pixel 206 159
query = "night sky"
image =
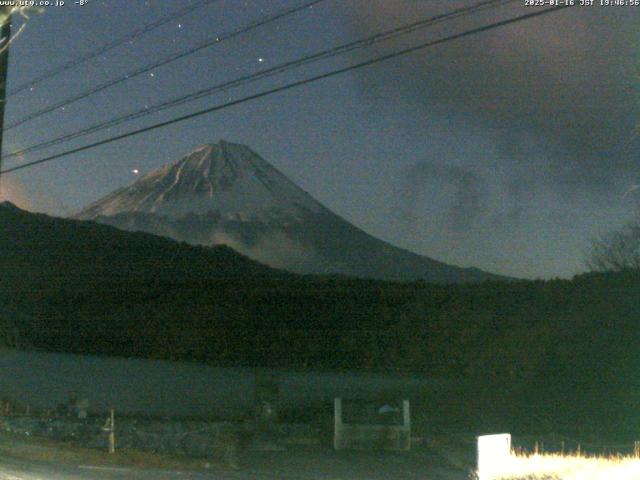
pixel 509 150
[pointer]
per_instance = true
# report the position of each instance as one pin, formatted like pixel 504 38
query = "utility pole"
pixel 5 36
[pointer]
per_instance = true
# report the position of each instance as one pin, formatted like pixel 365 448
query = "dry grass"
pixel 567 467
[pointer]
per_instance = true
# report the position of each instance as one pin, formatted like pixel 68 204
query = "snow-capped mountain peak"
pixel 227 194
pixel 224 178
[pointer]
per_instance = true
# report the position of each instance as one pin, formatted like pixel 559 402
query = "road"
pixel 301 465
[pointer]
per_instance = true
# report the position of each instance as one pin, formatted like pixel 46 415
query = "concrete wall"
pixel 177 389
pixel 371 435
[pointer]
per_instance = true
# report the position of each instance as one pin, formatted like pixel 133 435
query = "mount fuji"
pixel 225 193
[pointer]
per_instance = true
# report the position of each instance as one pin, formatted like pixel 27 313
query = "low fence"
pixel 192 438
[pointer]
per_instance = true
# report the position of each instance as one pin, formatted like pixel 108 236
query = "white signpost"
pixel 494 452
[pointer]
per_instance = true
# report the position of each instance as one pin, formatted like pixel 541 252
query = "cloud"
pixel 275 249
pixel 570 79
pixel 523 136
pixel 462 189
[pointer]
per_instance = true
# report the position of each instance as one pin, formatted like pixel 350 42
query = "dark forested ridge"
pixel 88 288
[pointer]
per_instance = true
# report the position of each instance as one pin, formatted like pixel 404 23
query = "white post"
pixel 112 433
pixel 494 452
pixel 110 428
pixel 406 424
pixel 337 423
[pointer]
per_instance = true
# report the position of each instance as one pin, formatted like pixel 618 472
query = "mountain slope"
pixel 82 287
pixel 48 253
pixel 227 194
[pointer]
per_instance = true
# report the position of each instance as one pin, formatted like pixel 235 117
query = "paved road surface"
pixel 290 465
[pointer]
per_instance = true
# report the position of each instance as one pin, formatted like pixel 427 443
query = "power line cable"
pixel 289 86
pixel 366 42
pixel 341 49
pixel 166 60
pixel 110 46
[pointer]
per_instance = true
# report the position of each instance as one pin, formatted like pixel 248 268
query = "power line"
pixel 110 46
pixel 365 42
pixel 289 86
pixel 166 60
